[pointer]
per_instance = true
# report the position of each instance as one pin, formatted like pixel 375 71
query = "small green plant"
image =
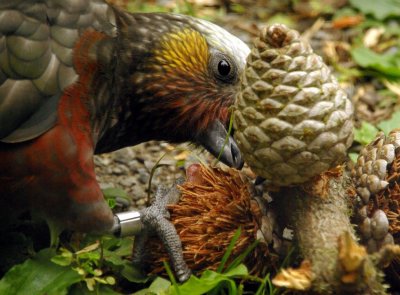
pixel 111 194
pixel 229 279
pixel 380 10
pixel 367 132
pixel 388 125
pixel 95 268
pixel 386 65
pixel 380 59
pixel 87 263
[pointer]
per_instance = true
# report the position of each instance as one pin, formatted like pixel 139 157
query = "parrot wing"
pixel 37 39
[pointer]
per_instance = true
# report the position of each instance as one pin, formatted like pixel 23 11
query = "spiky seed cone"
pixel 213 205
pixel 377 174
pixel 292 120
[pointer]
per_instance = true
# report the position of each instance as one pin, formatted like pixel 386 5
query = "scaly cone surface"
pixel 294 124
pixel 292 120
pixel 377 207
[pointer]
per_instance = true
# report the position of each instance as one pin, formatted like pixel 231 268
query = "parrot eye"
pixel 223 68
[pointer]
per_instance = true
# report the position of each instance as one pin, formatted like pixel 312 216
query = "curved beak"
pixel 213 140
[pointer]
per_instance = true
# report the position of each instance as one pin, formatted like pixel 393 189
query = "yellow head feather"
pixel 185 51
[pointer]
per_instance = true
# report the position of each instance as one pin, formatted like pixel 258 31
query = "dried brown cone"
pixel 370 171
pixel 377 212
pixel 319 216
pixel 213 205
pixel 389 199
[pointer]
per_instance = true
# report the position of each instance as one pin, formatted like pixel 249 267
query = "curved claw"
pixel 213 139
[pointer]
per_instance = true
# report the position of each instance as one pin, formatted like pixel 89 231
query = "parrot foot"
pixel 155 220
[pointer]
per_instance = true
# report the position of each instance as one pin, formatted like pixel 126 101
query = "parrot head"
pixel 177 78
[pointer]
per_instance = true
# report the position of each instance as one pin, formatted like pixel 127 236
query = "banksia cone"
pixel 292 120
pixel 213 205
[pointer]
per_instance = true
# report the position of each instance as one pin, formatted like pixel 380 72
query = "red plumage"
pixel 79 80
pixel 54 173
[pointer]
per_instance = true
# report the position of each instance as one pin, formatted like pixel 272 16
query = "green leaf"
pixel 114 251
pixel 144 292
pixel 281 18
pixel 81 289
pixel 386 64
pixel 242 256
pixel 113 258
pixel 159 286
pixel 90 256
pixel 171 277
pixel 229 249
pixel 379 9
pixel 262 286
pixel 132 273
pixel 62 260
pixel 111 203
pixel 237 8
pixel 240 270
pixel 114 192
pixel 120 246
pixel 112 243
pixel 393 123
pixel 210 280
pixel 366 133
pixel 353 157
pixel 38 276
pixel 198 286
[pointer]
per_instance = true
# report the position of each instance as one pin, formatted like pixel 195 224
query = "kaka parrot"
pixel 81 77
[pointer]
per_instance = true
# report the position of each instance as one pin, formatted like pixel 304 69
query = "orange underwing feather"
pixel 56 171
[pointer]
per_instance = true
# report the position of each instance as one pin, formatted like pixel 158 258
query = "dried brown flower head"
pixel 213 205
